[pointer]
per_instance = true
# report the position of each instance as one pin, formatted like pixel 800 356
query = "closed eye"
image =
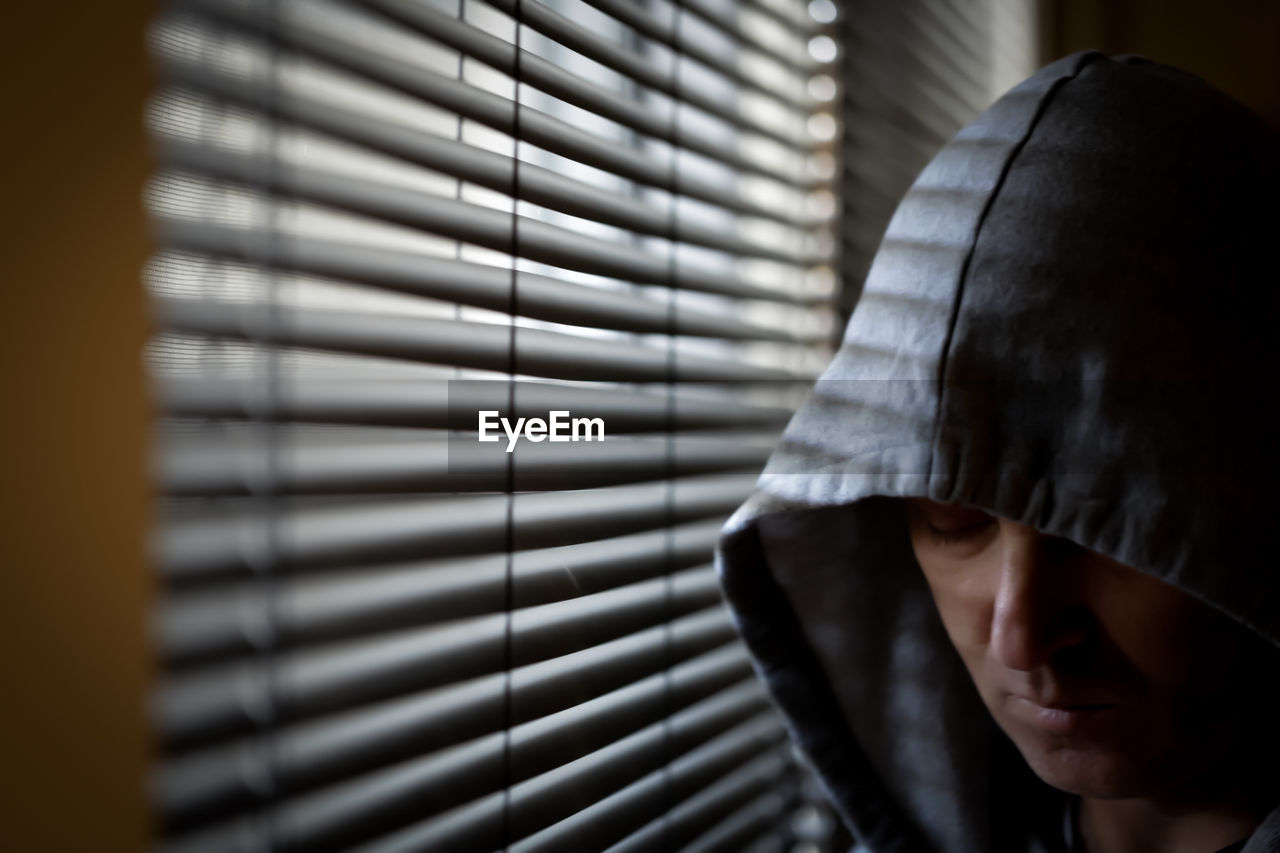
pixel 947 524
pixel 951 536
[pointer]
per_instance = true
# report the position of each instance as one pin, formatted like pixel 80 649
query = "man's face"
pixel 1110 682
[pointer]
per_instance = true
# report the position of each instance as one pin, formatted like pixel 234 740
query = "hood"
pixel 1070 322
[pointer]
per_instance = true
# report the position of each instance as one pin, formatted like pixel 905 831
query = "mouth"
pixel 1059 717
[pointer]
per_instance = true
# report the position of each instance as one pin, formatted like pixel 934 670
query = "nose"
pixel 1034 614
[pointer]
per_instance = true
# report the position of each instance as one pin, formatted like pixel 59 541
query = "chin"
pixel 1087 771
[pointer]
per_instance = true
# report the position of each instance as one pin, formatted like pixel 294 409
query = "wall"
pixel 72 325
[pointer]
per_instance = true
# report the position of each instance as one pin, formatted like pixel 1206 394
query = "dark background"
pixel 1234 44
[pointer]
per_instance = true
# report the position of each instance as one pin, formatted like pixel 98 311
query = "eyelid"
pixel 964 534
pixel 953 518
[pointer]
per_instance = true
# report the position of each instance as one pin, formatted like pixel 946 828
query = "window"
pixel 917 71
pixel 379 220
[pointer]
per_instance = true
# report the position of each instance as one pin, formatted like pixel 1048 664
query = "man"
pixel 1149 705
pixel 1009 574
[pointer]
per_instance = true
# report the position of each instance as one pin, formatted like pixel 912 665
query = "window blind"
pixel 377 219
pixel 916 72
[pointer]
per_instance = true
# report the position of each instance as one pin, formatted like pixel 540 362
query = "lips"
pixel 1059 705
pixel 1059 715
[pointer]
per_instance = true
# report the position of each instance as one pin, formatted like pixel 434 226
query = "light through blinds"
pixel 377 221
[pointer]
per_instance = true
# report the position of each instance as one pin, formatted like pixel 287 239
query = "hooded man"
pixel 1010 573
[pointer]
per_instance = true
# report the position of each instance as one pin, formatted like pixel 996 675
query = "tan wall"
pixel 73 429
pixel 1234 44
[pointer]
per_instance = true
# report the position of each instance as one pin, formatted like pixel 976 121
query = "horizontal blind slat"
pixel 430 403
pixel 315 680
pixel 562 792
pixel 216 781
pixel 663 78
pixel 729 20
pixel 540 297
pixel 927 96
pixel 486 346
pixel 957 43
pixel 460 463
pixel 597 723
pixel 200 707
pixel 192 141
pixel 478 825
pixel 233 618
pixel 551 79
pixel 231 537
pixel 298 90
pixel 794 16
pixel 193 54
pixel 735 832
pixel 749 826
pixel 637 17
pixel 374 45
pixel 186 212
pixel 544 75
pixel 544 688
pixel 335 817
pixel 614 816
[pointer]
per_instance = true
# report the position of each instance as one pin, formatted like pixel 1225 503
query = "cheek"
pixel 965 604
pixel 1173 642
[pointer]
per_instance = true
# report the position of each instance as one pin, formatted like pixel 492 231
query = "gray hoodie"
pixel 1071 322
